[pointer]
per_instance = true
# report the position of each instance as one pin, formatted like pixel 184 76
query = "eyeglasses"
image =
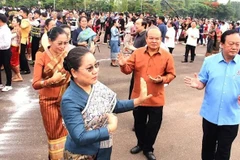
pixel 90 69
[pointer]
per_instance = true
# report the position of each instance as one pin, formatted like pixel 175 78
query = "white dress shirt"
pixel 170 41
pixel 5 37
pixel 193 35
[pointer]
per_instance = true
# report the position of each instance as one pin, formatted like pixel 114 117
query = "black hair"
pixel 65 26
pixel 115 20
pixel 38 12
pixel 144 22
pixel 47 21
pixel 227 33
pixel 54 32
pixel 44 14
pixel 81 17
pixel 161 18
pixel 3 18
pixel 25 10
pixel 74 58
pixel 17 19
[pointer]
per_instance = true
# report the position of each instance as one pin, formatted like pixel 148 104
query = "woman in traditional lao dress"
pixel 87 107
pixel 51 79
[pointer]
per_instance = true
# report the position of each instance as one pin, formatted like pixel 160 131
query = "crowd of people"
pixel 77 110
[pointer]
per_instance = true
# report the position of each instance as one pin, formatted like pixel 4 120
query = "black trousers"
pixel 23 60
pixel 131 86
pixel 192 49
pixel 217 140
pixel 107 35
pixel 147 122
pixel 35 46
pixel 5 57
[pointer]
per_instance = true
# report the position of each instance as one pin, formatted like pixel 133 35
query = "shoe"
pixel 7 88
pixel 1 86
pixel 25 72
pixel 184 61
pixel 150 156
pixel 136 150
pixel 191 61
pixel 114 65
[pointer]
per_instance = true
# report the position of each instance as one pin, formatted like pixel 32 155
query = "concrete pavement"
pixel 22 136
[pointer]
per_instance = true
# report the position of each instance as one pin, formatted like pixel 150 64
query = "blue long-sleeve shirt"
pixel 79 140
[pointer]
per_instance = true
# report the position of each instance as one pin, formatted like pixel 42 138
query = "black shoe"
pixel 114 65
pixel 25 72
pixel 184 61
pixel 191 61
pixel 150 156
pixel 136 150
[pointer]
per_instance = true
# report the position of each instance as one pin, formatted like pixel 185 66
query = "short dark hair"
pixel 44 14
pixel 38 12
pixel 25 10
pixel 3 18
pixel 55 32
pixel 74 58
pixel 144 22
pixel 65 26
pixel 227 33
pixel 161 18
pixel 47 21
pixel 120 14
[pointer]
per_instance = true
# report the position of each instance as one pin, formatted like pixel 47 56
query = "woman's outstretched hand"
pixel 143 93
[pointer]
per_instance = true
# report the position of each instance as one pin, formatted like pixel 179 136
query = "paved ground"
pixel 22 136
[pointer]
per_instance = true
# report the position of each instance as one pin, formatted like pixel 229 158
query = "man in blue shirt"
pixel 162 27
pixel 220 76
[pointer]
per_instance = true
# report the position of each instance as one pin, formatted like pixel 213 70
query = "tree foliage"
pixel 193 8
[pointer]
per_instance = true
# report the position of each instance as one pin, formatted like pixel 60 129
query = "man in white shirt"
pixel 5 52
pixel 193 35
pixel 170 36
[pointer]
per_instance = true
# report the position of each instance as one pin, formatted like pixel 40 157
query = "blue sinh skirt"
pixel 115 49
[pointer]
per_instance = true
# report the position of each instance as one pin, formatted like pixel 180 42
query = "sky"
pixel 225 1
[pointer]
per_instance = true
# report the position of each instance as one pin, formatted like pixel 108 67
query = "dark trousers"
pixel 200 39
pixel 147 122
pixel 131 86
pixel 23 60
pixel 35 46
pixel 171 50
pixel 217 140
pixel 107 35
pixel 5 57
pixel 192 49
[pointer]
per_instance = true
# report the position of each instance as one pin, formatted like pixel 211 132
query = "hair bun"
pixel 66 66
